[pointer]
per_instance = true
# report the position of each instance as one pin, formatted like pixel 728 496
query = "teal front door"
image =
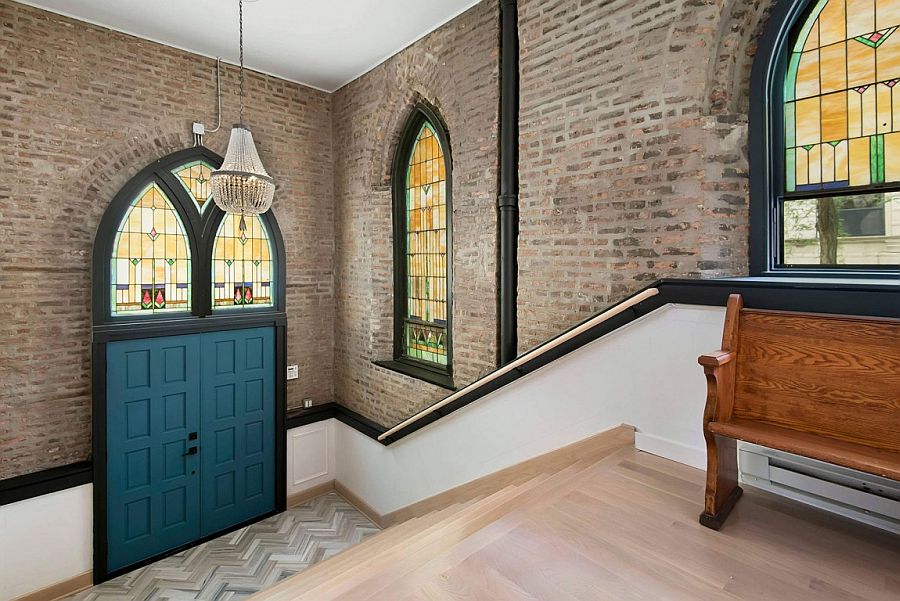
pixel 190 439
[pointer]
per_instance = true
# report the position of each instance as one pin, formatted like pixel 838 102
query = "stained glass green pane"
pixel 242 266
pixel 194 177
pixel 150 267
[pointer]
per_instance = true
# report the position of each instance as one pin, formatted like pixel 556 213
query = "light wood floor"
pixel 622 527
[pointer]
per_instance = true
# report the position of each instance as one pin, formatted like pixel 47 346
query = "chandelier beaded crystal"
pixel 242 185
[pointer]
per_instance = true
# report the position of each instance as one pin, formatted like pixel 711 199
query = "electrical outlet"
pixel 293 372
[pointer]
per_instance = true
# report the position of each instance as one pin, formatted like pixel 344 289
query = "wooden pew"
pixel 821 386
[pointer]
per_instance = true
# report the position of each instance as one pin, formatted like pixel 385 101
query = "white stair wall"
pixel 644 374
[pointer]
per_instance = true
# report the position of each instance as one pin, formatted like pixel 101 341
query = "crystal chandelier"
pixel 242 185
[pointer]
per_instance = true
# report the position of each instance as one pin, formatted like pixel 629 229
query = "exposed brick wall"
pixel 82 110
pixel 633 149
pixel 633 167
pixel 454 69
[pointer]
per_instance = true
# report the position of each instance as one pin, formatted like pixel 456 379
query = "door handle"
pixel 190 451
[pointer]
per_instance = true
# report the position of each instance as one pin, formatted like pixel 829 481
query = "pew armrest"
pixel 716 359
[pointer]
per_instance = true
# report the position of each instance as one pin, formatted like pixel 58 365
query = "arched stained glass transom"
pixel 842 103
pixel 242 264
pixel 164 249
pixel 151 262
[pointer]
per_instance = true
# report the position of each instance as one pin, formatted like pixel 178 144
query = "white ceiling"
pixel 321 43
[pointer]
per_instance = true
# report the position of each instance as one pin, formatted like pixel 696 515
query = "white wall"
pixel 644 374
pixel 310 456
pixel 45 540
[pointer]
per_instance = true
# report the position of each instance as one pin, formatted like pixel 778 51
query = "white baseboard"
pixel 669 449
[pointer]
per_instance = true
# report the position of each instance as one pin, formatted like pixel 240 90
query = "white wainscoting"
pixel 45 540
pixel 310 456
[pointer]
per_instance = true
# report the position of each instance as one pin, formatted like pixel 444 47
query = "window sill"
pixel 419 372
pixel 819 278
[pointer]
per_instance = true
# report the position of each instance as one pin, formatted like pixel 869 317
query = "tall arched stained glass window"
pixel 194 176
pixel 242 267
pixel 151 261
pixel 842 136
pixel 422 256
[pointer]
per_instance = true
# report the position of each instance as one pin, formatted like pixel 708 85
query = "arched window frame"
pixel 429 372
pixel 200 227
pixel 766 152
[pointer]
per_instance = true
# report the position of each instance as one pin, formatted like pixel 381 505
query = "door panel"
pixel 152 486
pixel 237 440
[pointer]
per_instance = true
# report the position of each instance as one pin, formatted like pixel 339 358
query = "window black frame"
pixel 423 370
pixel 766 155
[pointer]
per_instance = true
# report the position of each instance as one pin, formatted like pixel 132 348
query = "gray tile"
pixel 242 563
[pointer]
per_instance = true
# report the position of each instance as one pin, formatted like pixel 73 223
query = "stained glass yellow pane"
pixel 242 264
pixel 425 326
pixel 808 80
pixel 808 121
pixel 860 173
pixel 832 23
pixel 195 179
pixel 860 17
pixel 151 262
pixel 842 97
pixel 834 116
pixel 887 13
pixel 832 63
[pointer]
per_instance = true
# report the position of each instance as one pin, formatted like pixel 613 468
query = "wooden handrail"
pixel 535 352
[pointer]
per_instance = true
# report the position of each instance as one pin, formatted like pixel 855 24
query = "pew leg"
pixel 722 490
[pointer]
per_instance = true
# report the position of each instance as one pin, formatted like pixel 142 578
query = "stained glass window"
pixel 425 327
pixel 842 101
pixel 842 135
pixel 195 178
pixel 151 262
pixel 242 266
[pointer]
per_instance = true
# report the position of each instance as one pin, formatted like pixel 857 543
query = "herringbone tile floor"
pixel 237 565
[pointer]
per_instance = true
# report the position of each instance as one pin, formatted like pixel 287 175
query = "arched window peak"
pixel 194 176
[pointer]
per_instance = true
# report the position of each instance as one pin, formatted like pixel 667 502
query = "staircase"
pixel 406 556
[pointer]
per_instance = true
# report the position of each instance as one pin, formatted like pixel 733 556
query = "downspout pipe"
pixel 508 199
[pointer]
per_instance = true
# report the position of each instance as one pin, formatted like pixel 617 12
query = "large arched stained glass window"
pixel 151 261
pixel 425 331
pixel 242 267
pixel 842 135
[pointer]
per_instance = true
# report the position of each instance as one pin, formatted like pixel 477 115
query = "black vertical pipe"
pixel 508 199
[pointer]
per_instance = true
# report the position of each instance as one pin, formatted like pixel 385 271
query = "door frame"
pixel 202 319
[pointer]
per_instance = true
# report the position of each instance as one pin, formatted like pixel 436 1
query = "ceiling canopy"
pixel 321 43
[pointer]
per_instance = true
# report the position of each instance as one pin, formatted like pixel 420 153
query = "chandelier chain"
pixel 241 44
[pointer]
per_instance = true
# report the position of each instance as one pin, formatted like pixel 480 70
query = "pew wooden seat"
pixel 820 386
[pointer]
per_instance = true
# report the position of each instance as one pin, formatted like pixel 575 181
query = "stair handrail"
pixel 521 359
